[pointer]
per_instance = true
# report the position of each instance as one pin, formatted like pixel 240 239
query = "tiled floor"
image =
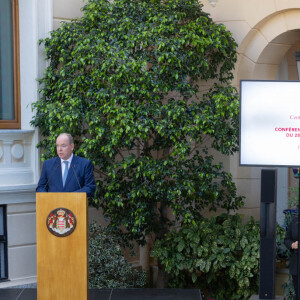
pixel 112 294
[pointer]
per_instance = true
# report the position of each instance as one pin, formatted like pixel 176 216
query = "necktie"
pixel 66 172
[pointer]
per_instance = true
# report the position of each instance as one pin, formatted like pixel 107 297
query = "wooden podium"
pixel 62 246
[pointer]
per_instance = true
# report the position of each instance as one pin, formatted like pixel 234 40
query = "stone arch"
pixel 264 47
pixel 260 54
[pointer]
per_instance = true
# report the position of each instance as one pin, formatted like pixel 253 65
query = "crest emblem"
pixel 61 222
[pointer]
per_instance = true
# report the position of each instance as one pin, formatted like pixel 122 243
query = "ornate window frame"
pixel 16 122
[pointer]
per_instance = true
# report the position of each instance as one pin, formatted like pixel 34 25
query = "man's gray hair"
pixel 71 140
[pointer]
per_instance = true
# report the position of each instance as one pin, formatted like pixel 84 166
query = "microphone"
pixel 76 176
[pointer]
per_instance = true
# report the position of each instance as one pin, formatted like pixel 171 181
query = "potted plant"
pixel 292 203
pixel 282 252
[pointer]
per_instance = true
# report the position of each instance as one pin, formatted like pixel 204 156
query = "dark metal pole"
pixel 297 56
pixel 298 251
pixel 267 234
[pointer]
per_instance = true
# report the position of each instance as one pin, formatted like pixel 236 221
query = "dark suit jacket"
pixel 80 176
pixel 291 237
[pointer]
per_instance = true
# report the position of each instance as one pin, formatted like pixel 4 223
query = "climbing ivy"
pixel 144 87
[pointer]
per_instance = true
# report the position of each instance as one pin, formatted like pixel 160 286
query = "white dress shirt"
pixel 63 165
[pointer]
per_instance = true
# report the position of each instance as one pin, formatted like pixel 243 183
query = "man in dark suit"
pixel 67 172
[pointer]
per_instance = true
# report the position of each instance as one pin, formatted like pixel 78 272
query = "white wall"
pixel 19 158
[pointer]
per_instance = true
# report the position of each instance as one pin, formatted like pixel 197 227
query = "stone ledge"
pixel 18 282
pixel 17 188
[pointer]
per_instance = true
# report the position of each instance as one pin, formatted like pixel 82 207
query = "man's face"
pixel 63 147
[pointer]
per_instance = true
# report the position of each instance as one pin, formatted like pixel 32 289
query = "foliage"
pixel 282 253
pixel 107 266
pixel 289 215
pixel 219 255
pixel 293 199
pixel 292 210
pixel 129 81
pixel 288 289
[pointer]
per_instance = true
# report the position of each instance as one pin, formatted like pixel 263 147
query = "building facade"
pixel 267 33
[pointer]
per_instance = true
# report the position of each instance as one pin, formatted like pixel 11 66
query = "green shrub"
pixel 107 266
pixel 288 289
pixel 219 255
pixel 282 253
pixel 126 80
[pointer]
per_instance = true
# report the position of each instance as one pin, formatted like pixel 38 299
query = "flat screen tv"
pixel 269 123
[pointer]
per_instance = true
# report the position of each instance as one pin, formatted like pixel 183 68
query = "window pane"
pixel 1 221
pixel 2 261
pixel 3 243
pixel 7 107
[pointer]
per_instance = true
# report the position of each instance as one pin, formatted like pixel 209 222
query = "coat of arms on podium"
pixel 61 222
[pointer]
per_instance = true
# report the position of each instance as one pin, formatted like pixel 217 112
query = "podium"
pixel 62 246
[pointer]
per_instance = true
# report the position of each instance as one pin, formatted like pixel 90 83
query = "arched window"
pixel 10 115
